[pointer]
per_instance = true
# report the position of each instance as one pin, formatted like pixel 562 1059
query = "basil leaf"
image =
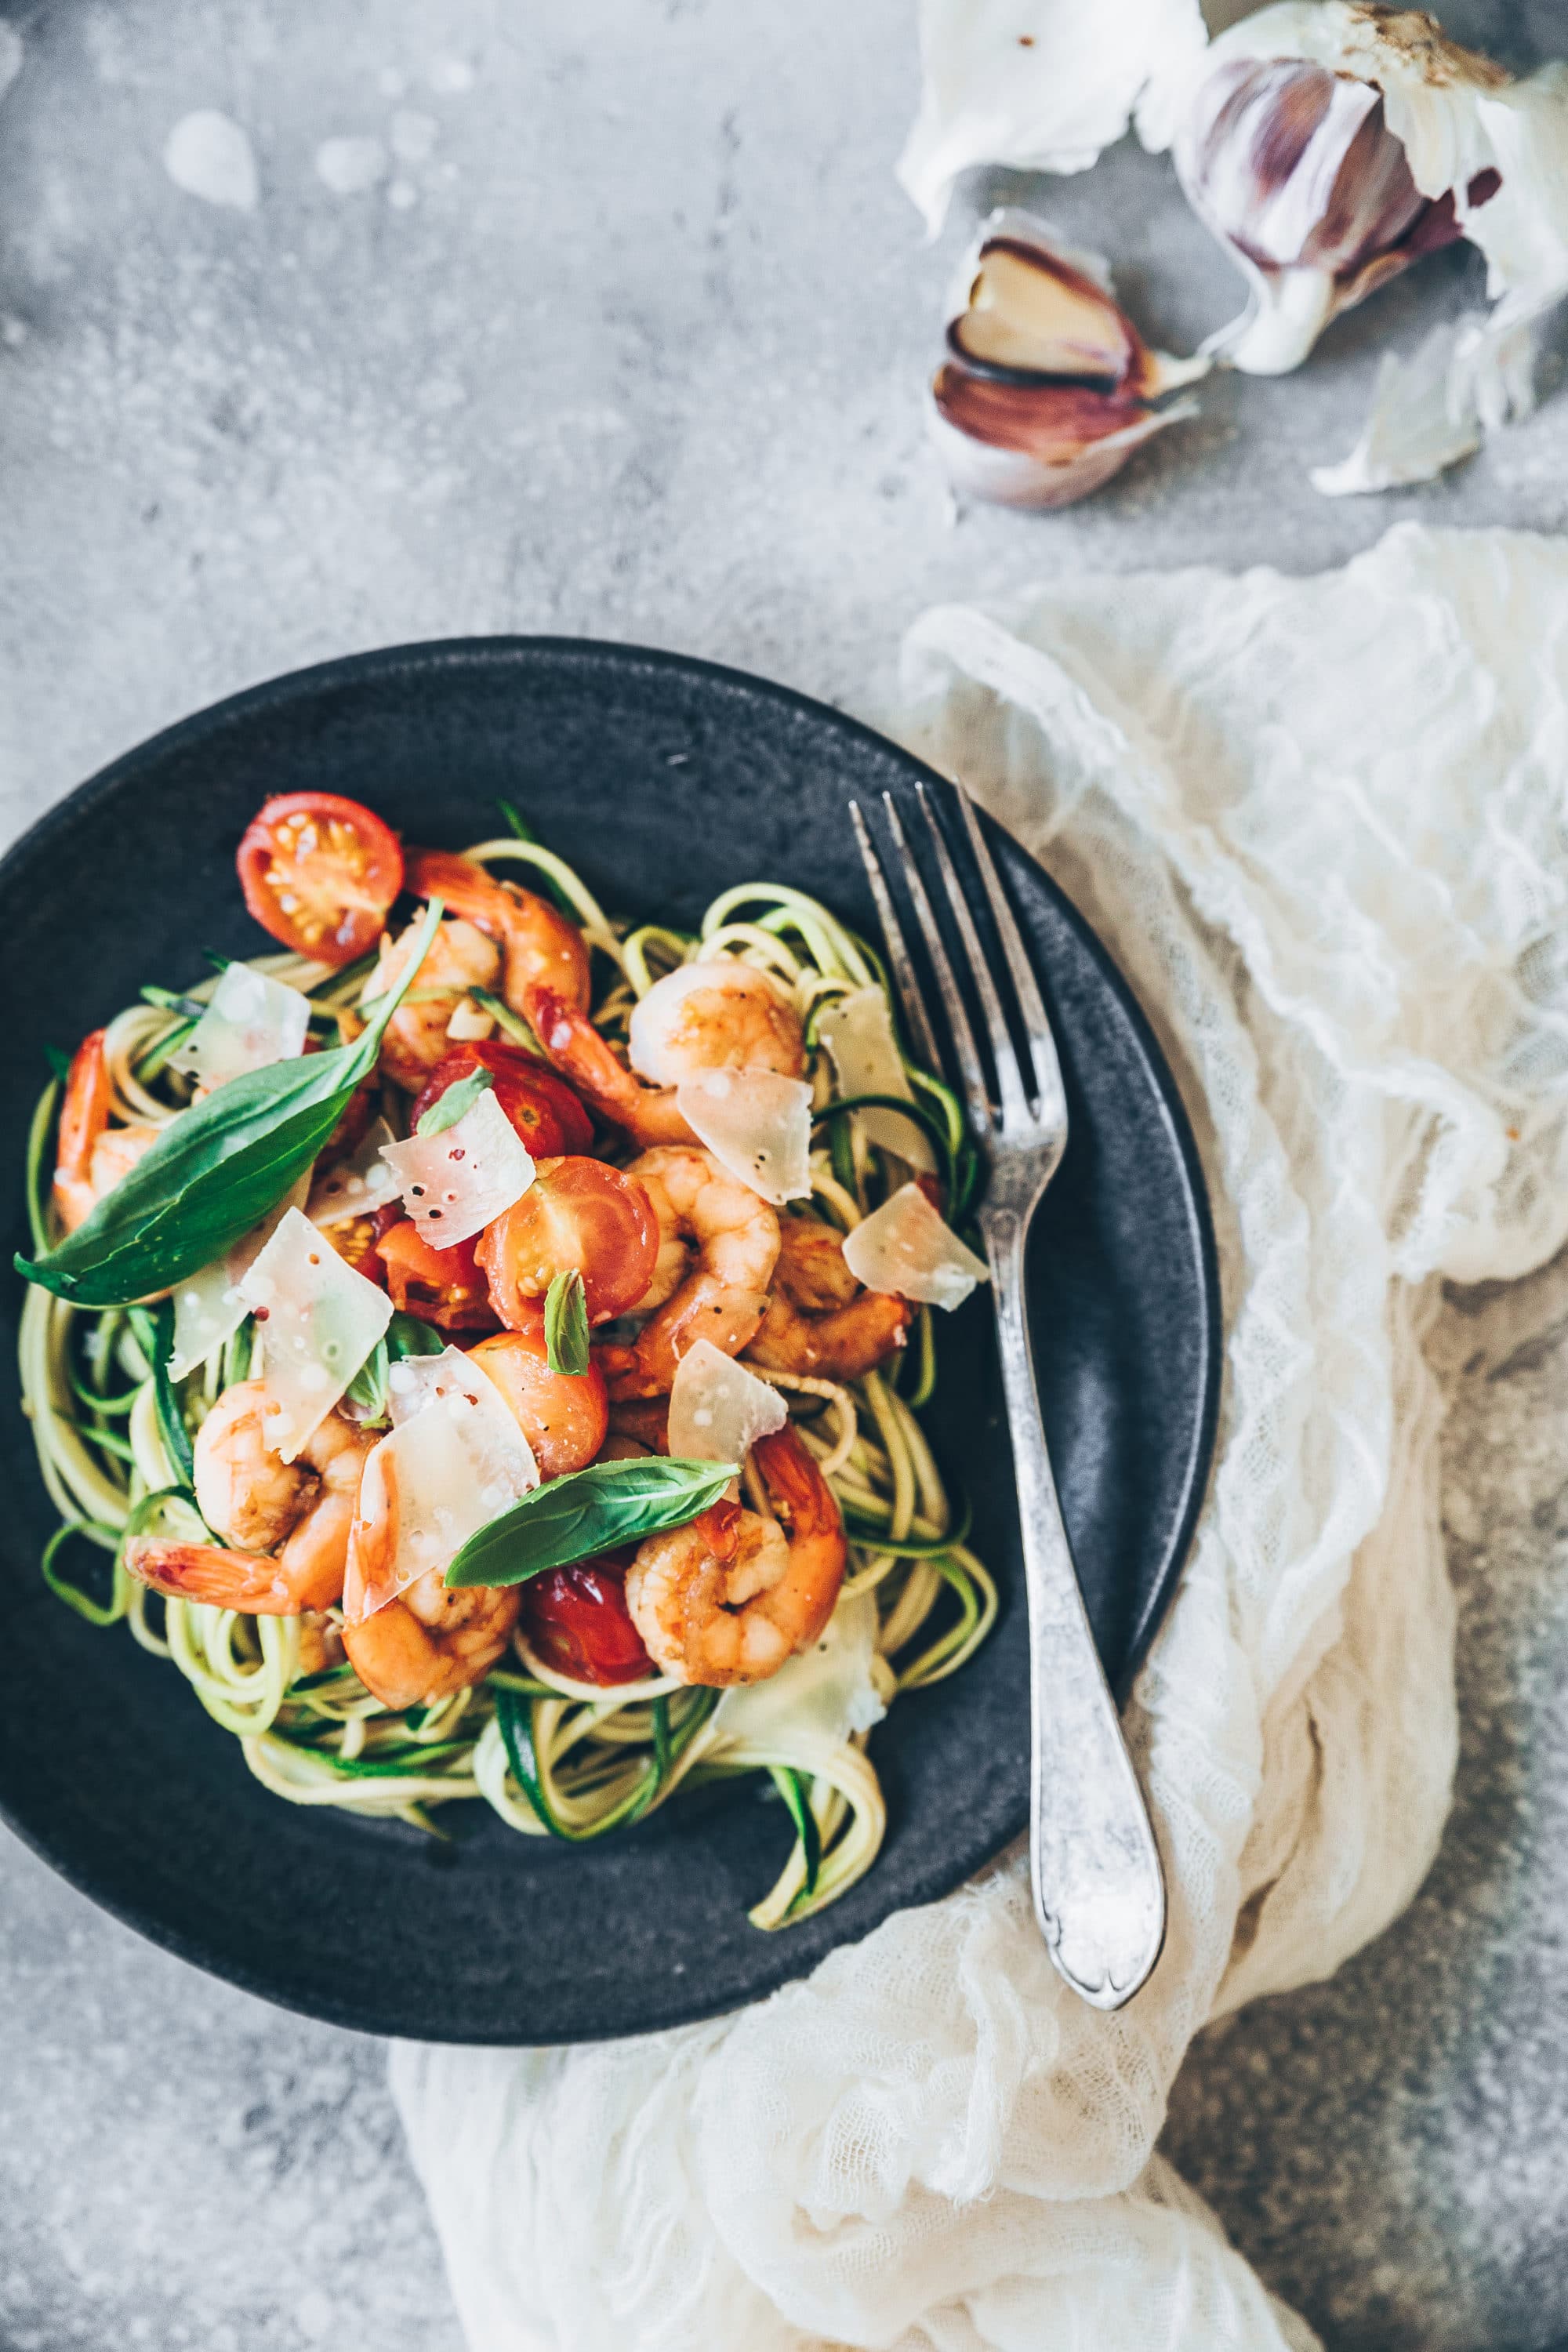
pixel 59 1063
pixel 585 1513
pixel 566 1324
pixel 406 1336
pixel 367 1392
pixel 216 1170
pixel 449 1108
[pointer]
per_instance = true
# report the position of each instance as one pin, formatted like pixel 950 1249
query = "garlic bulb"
pixel 1043 85
pixel 1329 144
pixel 1048 387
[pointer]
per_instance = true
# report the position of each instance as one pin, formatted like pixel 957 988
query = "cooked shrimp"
pixel 819 1319
pixel 257 1502
pixel 721 1015
pixel 539 946
pixel 735 1237
pixel 563 1416
pixel 431 1642
pixel 91 1156
pixel 729 1598
pixel 459 958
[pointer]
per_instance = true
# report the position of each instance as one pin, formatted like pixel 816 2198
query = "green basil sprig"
pixel 588 1512
pixel 566 1324
pixel 216 1170
pixel 449 1105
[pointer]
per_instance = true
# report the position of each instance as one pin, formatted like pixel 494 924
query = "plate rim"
pixel 498 650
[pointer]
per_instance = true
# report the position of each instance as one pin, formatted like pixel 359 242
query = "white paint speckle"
pixel 389 82
pixel 451 75
pixel 209 155
pixel 403 195
pixel 10 57
pixel 413 135
pixel 349 166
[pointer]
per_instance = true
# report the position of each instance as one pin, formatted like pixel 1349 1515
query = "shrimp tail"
pixel 248 1581
pixel 571 1046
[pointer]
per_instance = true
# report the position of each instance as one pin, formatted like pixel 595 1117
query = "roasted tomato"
pixel 542 1107
pixel 320 873
pixel 576 1619
pixel 443 1286
pixel 563 1415
pixel 577 1214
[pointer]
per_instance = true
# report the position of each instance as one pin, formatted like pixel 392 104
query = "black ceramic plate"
pixel 663 779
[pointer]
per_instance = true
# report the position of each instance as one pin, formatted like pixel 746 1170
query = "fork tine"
pixel 975 1088
pixel 1009 1078
pixel 916 1018
pixel 1042 1043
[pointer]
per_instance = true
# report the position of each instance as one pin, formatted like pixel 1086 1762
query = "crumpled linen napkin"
pixel 1322 824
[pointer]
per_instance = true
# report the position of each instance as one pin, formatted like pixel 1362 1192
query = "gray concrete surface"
pixel 629 339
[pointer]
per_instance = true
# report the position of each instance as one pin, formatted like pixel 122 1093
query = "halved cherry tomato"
pixel 576 1214
pixel 354 1241
pixel 577 1620
pixel 563 1415
pixel 542 1107
pixel 443 1286
pixel 320 872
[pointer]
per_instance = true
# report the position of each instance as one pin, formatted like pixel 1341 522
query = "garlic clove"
pixel 1050 387
pixel 1030 313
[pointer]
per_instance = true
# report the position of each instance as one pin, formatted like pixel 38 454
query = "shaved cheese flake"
pixel 718 1410
pixel 858 1031
pixel 320 1320
pixel 756 1124
pixel 454 1460
pixel 456 1183
pixel 827 1693
pixel 250 1022
pixel 906 1249
pixel 357 1186
pixel 209 1309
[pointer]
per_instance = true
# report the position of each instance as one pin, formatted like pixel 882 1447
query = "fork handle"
pixel 1099 1893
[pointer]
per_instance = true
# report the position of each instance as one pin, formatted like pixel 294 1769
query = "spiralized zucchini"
pixel 551 1756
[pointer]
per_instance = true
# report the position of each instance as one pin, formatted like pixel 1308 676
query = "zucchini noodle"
pixel 552 1756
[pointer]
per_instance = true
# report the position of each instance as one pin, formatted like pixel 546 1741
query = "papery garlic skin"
pixel 1050 387
pixel 1042 85
pixel 1432 409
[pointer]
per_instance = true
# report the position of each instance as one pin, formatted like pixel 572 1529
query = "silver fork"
pixel 1099 1894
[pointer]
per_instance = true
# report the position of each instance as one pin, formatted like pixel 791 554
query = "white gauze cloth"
pixel 1322 825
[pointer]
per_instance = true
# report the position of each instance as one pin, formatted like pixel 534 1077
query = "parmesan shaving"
pixel 357 1186
pixel 454 1460
pixel 906 1249
pixel 457 1182
pixel 756 1124
pixel 858 1031
pixel 251 1023
pixel 827 1693
pixel 319 1321
pixel 209 1307
pixel 718 1410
